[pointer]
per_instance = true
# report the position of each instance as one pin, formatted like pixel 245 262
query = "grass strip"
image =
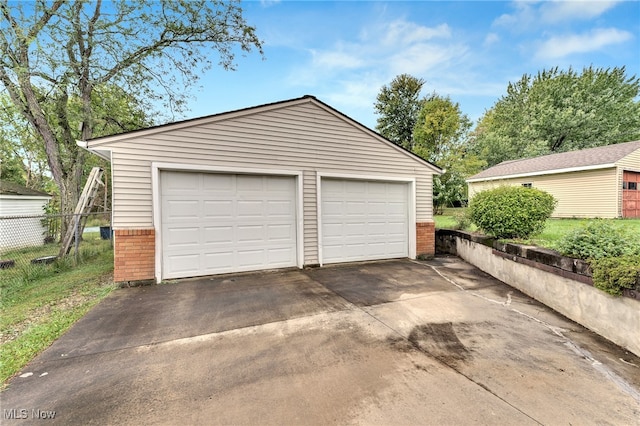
pixel 39 303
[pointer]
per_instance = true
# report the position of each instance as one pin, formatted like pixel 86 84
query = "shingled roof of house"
pixel 11 188
pixel 585 159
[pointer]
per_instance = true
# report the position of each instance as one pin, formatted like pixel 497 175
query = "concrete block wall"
pixel 134 258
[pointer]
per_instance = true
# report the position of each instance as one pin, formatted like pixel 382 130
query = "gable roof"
pixel 585 159
pixel 99 145
pixel 11 188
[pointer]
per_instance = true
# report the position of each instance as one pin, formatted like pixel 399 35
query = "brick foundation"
pixel 134 258
pixel 425 239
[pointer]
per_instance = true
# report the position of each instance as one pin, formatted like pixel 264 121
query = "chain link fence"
pixel 37 239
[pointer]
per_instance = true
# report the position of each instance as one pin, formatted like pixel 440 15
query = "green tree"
pixel 22 156
pixel 398 105
pixel 441 136
pixel 55 55
pixel 23 151
pixel 441 127
pixel 558 111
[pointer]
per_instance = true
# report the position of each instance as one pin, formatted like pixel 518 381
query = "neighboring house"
pixel 18 205
pixel 597 182
pixel 288 184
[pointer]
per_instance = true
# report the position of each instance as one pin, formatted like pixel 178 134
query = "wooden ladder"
pixel 85 203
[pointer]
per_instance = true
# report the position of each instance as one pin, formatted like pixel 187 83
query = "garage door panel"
pixel 377 188
pixel 229 223
pixel 181 182
pixel 355 187
pixel 354 229
pixel 364 220
pixel 396 228
pixel 183 237
pixel 378 229
pixel 217 262
pixel 377 249
pixel 250 258
pixel 332 230
pixel 280 256
pixel 280 184
pixel 249 234
pixel 182 209
pixel 249 183
pixel 280 208
pixel 284 232
pixel 184 263
pixel 218 209
pixel 217 182
pixel 218 234
pixel 397 208
pixel 250 209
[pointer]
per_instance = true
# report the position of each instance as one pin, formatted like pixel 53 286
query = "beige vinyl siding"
pixel 630 162
pixel 589 193
pixel 300 136
pixel 22 205
pixel 310 218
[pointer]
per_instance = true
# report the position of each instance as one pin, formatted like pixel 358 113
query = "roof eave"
pixel 543 172
pixel 102 153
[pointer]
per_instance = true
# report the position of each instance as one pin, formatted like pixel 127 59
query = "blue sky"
pixel 344 52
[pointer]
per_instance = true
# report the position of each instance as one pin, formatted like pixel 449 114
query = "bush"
pixel 462 220
pixel 511 211
pixel 598 239
pixel 613 274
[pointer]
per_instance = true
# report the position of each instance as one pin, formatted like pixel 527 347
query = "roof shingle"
pixel 11 188
pixel 585 158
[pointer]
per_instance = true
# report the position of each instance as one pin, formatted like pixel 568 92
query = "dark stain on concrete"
pixel 440 341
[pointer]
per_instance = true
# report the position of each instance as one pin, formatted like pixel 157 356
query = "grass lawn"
pixel 553 232
pixel 40 302
pixel 557 228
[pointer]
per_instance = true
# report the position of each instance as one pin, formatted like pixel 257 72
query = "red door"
pixel 630 194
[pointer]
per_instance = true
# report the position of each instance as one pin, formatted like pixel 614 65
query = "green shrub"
pixel 462 220
pixel 511 211
pixel 598 239
pixel 613 274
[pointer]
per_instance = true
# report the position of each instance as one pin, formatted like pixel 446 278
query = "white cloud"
pixel 381 52
pixel 561 46
pixel 421 58
pixel 400 33
pixel 490 39
pixel 524 17
pixel 561 11
pixel 336 59
pixel 269 3
pixel 533 14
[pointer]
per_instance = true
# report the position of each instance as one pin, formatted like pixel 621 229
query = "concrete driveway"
pixel 392 342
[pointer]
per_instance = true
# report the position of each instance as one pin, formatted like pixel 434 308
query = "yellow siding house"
pixel 597 182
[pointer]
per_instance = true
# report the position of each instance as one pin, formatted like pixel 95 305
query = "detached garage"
pixel 289 184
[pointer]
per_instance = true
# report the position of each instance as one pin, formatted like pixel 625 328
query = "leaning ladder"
pixel 85 203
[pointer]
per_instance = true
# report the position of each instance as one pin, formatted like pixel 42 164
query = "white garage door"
pixel 363 220
pixel 218 223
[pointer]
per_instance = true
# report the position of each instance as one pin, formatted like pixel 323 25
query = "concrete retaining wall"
pixel 563 287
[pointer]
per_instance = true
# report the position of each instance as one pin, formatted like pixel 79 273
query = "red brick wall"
pixel 134 255
pixel 425 238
